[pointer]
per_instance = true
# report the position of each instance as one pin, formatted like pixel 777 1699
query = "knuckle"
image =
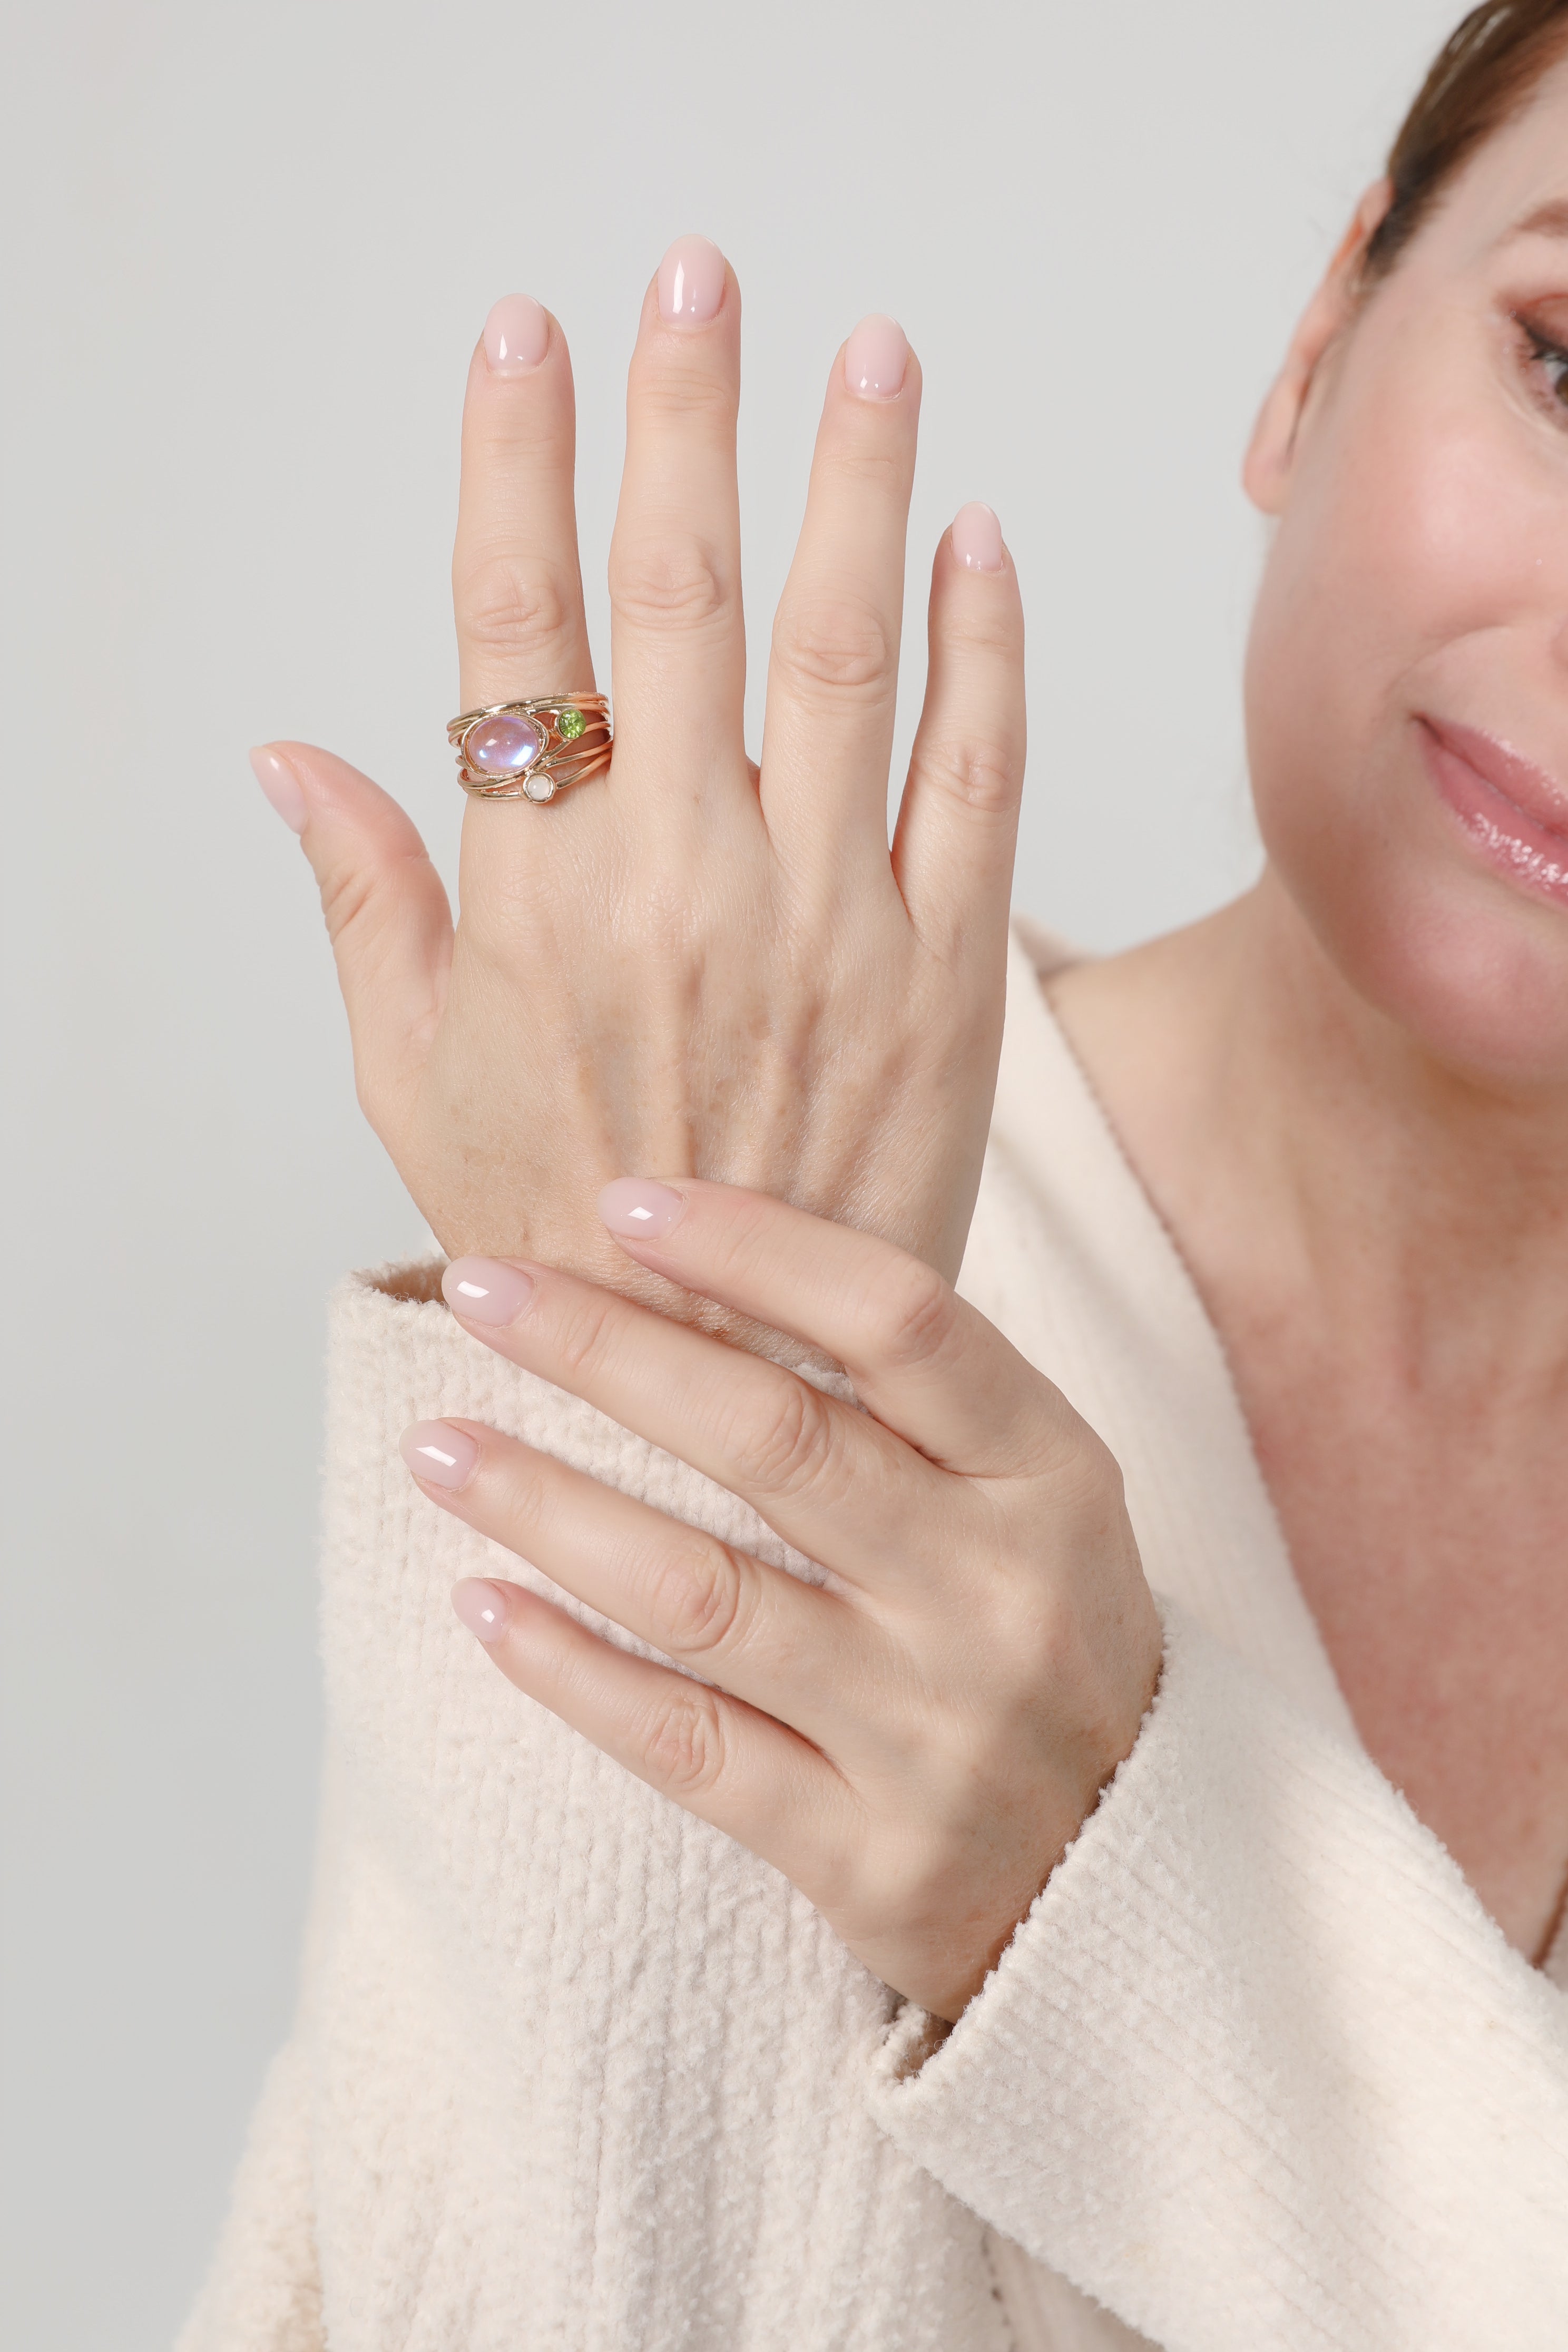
pixel 348 894
pixel 837 645
pixel 979 776
pixel 530 1490
pixel 792 1446
pixel 685 1748
pixel 1086 1475
pixel 668 583
pixel 971 627
pixel 910 1314
pixel 505 602
pixel 861 462
pixel 582 1333
pixel 696 1599
pixel 675 391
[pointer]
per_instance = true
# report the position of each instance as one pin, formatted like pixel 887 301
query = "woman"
pixel 882 1921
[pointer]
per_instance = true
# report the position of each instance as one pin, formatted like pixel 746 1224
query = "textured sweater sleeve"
pixel 573 2069
pixel 1258 2069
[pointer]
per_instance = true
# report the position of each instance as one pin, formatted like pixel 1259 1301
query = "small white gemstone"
pixel 540 788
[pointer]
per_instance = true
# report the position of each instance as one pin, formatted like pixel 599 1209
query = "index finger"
pixel 926 1363
pixel 830 1481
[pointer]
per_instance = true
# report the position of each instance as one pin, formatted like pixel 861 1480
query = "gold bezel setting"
pixel 561 759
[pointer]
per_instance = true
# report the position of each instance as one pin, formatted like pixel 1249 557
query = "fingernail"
pixel 977 538
pixel 486 1290
pixel 640 1210
pixel 517 335
pixel 481 1606
pixel 281 786
pixel 691 281
pixel 437 1451
pixel 875 359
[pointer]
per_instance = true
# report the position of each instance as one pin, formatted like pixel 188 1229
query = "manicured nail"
pixel 482 1607
pixel 691 281
pixel 485 1290
pixel 281 786
pixel 435 1450
pixel 640 1212
pixel 517 335
pixel 977 538
pixel 875 359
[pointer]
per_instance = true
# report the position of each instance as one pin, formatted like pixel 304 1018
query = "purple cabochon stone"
pixel 503 746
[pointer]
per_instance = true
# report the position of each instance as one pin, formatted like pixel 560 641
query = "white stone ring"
pixel 532 750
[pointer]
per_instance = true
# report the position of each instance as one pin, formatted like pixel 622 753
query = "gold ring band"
pixel 532 750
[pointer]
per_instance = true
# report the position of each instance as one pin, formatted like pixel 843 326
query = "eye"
pixel 1547 363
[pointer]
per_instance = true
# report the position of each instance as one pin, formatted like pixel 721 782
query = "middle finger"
pixel 790 1648
pixel 677 637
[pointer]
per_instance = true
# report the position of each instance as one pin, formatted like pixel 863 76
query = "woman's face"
pixel 1407 675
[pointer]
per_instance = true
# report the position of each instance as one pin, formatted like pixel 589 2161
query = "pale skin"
pixel 1347 1093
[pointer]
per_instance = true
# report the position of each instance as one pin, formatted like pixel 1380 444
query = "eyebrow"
pixel 1548 220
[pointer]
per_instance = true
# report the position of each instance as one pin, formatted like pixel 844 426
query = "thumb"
pixel 384 904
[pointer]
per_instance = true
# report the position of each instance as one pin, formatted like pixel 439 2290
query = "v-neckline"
pixel 1176 1420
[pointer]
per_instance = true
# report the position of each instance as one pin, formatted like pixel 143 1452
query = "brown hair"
pixel 1484 74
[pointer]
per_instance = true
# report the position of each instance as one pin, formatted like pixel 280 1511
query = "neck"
pixel 1281 1118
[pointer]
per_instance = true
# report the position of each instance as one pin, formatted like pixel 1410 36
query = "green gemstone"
pixel 570 725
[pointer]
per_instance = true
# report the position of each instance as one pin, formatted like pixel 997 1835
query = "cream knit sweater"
pixel 574 2074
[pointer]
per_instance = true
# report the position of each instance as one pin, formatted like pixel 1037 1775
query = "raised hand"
pixel 691 962
pixel 916 1741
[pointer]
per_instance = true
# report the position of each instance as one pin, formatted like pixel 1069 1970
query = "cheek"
pixel 1402 539
pixel 1410 573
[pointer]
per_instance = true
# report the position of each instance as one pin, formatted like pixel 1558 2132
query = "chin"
pixel 1471 968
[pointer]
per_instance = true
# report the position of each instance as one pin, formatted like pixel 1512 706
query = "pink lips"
pixel 1513 811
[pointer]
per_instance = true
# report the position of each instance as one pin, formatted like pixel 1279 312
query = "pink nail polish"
pixel 640 1210
pixel 977 538
pixel 691 282
pixel 876 358
pixel 486 1289
pixel 281 786
pixel 484 1608
pixel 517 335
pixel 437 1453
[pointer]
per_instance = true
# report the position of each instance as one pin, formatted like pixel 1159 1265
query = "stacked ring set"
pixel 532 750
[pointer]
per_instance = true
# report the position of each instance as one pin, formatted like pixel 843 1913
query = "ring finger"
pixel 517 586
pixel 724 1761
pixel 832 680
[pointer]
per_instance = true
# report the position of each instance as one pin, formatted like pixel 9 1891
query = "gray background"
pixel 249 251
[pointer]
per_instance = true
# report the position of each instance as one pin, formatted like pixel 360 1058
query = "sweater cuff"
pixel 1257 2068
pixel 556 2013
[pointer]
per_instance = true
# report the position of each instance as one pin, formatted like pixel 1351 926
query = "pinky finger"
pixel 727 1762
pixel 958 826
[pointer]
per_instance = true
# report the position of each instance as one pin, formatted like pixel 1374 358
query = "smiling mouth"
pixel 1512 812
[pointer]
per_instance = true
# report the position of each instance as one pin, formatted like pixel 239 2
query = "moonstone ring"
pixel 532 750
